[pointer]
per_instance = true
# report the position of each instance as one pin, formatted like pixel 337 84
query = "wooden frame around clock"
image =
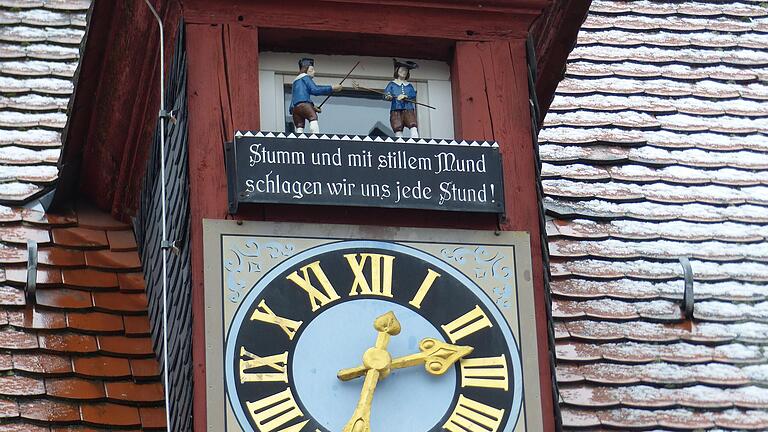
pixel 233 267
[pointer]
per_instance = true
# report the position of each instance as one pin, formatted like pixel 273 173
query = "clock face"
pixel 419 346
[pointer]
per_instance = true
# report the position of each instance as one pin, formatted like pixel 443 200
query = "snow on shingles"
pixel 657 138
pixel 674 23
pixel 17 119
pixel 26 34
pixel 691 56
pixel 642 331
pixel 711 89
pixel 30 138
pixel 626 289
pixel 38 68
pixel 653 155
pixel 586 69
pixel 725 124
pixel 17 191
pixel 629 119
pixel 656 212
pixel 38 51
pixel 13 155
pixel 656 192
pixel 652 270
pixel 663 310
pixel 667 39
pixel 665 373
pixel 660 249
pixel 676 230
pixel 651 104
pixel 33 173
pixel 645 174
pixel 673 352
pixel 38 85
pixel 33 102
pixel 736 9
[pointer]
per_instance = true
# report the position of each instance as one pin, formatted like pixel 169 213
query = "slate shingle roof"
pixel 39 52
pixel 656 147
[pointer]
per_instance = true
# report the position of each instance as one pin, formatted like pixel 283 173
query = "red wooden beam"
pixel 223 95
pixel 368 18
pixel 490 91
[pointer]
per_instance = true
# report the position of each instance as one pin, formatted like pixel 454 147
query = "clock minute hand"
pixel 377 361
pixel 436 356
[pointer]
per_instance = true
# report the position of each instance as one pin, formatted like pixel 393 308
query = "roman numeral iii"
pixel 379 281
pixel 273 413
pixel 317 298
pixel 473 416
pixel 275 362
pixel 467 324
pixel 488 372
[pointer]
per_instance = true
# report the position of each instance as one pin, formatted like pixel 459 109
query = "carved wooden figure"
pixel 302 108
pixel 402 111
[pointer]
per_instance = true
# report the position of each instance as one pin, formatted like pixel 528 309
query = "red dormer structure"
pixel 502 60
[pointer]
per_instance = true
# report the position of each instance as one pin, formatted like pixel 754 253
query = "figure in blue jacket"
pixel 402 112
pixel 302 108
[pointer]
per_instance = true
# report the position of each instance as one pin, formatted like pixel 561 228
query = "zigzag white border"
pixel 430 141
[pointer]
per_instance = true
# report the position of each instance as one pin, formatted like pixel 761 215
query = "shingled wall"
pixel 148 227
pixel 655 147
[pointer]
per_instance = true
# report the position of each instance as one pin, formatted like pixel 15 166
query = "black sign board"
pixel 363 171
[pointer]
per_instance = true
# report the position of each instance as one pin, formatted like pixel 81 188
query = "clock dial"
pixel 313 316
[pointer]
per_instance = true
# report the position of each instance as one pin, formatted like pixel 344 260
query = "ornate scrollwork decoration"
pixel 487 264
pixel 250 258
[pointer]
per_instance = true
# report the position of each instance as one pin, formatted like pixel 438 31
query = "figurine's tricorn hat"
pixel 306 62
pixel 406 64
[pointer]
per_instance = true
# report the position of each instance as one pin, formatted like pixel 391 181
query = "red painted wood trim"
pixel 490 85
pixel 363 18
pixel 554 35
pixel 223 96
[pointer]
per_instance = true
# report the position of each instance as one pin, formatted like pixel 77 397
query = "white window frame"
pixel 432 81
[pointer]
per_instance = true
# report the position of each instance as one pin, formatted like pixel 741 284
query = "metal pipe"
pixel 163 199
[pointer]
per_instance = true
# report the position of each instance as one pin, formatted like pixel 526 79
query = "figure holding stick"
pixel 402 111
pixel 302 108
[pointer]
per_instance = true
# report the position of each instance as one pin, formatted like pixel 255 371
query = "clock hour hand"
pixel 377 361
pixel 437 357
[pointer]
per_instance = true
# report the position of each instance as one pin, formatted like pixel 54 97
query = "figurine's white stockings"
pixel 299 131
pixel 414 132
pixel 399 134
pixel 314 127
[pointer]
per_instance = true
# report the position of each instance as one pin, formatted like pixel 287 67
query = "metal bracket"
pixel 171 245
pixel 687 305
pixel 29 289
pixel 167 115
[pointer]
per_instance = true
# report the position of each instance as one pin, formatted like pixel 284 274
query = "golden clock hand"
pixel 377 361
pixel 436 356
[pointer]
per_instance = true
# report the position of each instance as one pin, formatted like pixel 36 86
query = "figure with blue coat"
pixel 302 108
pixel 402 111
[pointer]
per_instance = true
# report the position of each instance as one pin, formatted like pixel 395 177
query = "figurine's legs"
pixel 301 113
pixel 396 122
pixel 409 120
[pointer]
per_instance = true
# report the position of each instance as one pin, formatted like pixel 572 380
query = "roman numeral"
pixel 380 282
pixel 264 314
pixel 467 324
pixel 426 284
pixel 317 298
pixel 273 413
pixel 276 362
pixel 473 416
pixel 488 372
